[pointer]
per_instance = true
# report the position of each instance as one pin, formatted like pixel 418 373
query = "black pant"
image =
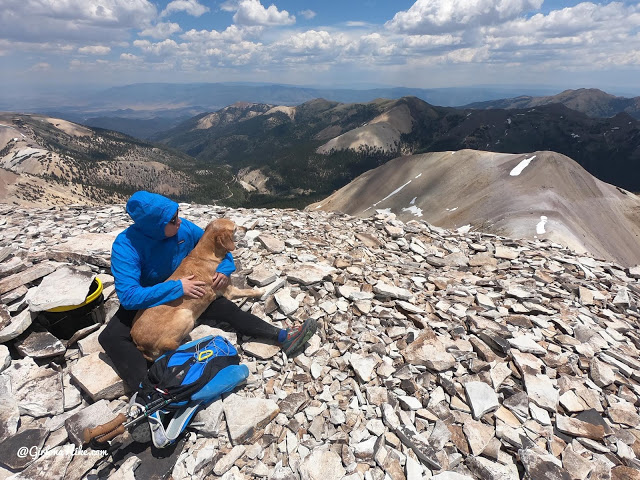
pixel 132 366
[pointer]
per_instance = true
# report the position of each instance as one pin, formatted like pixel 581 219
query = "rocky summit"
pixel 439 354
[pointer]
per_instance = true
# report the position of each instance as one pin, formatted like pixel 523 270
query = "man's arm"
pixel 125 267
pixel 227 265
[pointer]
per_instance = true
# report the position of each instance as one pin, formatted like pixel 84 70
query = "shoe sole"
pixel 295 347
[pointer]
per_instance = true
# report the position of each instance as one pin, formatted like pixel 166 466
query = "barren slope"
pixel 551 198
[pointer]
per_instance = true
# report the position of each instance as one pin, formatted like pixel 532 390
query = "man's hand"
pixel 220 281
pixel 192 288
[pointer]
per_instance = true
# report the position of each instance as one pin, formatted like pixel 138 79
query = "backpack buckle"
pixel 203 355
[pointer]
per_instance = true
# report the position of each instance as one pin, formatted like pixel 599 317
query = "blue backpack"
pixel 183 380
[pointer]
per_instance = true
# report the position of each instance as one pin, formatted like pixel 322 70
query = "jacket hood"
pixel 150 213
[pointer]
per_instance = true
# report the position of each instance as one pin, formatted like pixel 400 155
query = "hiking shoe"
pixel 298 336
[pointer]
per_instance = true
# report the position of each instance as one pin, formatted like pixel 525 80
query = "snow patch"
pixel 464 229
pixel 413 209
pixel 521 166
pixel 318 207
pixel 392 193
pixel 509 121
pixel 575 135
pixel 540 226
pixel 451 209
pixel 412 202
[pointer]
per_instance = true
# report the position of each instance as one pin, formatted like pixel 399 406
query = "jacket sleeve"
pixel 227 265
pixel 125 267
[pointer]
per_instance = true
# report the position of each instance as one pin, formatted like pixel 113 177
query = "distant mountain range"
pixel 254 154
pixel 541 195
pixel 319 146
pixel 590 101
pixel 146 108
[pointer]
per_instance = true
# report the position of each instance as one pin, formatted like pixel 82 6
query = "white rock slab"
pixel 66 286
pixel 246 416
pixel 287 304
pixel 322 465
pixel 481 397
pixel 96 375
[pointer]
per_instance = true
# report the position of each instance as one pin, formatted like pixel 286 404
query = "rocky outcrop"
pixel 439 354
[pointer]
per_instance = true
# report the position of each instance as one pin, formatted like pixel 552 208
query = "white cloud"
pixel 355 24
pixel 41 67
pixel 229 6
pixel 165 48
pixel 251 12
pixel 95 50
pixel 308 14
pixel 429 16
pixel 129 57
pixel 192 7
pixel 80 21
pixel 161 30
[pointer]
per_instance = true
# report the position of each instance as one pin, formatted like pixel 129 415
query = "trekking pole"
pixel 118 425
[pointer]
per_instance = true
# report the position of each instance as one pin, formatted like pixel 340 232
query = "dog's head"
pixel 220 234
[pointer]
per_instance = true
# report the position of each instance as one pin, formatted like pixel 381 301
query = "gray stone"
pixel 90 344
pixel 481 397
pixel 578 428
pixel 225 463
pixel 539 465
pixel 541 391
pixel 624 413
pixel 478 435
pixel 419 445
pixel 506 253
pixel 363 366
pixel 96 376
pixel 601 373
pixel 12 450
pixel 9 415
pixel 308 274
pixel 261 277
pixel 272 244
pixel 208 421
pixel 262 351
pixel 29 275
pixel 66 286
pixel 384 289
pixel 37 390
pixel 575 464
pixel 17 326
pixel 354 293
pixel 451 476
pixel 40 345
pixel 427 350
pixel 287 304
pixel 322 465
pixel 13 265
pixel 127 469
pixel 527 345
pixel 52 464
pixel 5 357
pixel 92 416
pixel 246 416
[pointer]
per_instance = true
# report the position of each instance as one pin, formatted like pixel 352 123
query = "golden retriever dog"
pixel 159 329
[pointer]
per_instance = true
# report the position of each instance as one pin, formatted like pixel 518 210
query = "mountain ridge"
pixel 590 101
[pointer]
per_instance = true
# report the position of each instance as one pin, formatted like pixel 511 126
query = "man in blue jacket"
pixel 142 258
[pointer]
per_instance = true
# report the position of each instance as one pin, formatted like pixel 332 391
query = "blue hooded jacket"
pixel 142 257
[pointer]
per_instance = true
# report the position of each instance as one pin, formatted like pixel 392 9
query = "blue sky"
pixel 422 43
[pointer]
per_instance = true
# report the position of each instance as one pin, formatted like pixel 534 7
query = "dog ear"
pixel 225 241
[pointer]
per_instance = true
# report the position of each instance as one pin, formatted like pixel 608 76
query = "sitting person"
pixel 143 257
